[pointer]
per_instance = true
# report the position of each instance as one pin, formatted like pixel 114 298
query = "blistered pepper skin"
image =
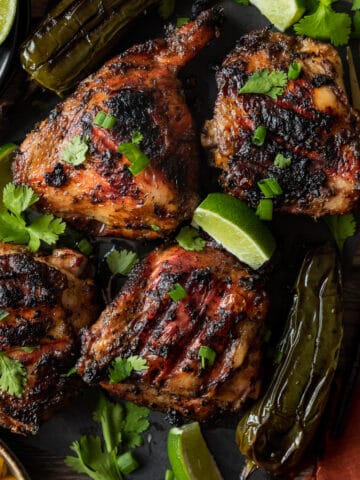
pixel 75 37
pixel 275 432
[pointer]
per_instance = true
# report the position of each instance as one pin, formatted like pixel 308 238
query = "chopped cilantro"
pixel 75 151
pixel 177 293
pixel 69 373
pixel 189 239
pixel 166 8
pixel 13 377
pixel 342 227
pixel 326 24
pixel 265 82
pixel 13 227
pixel 122 368
pixel 30 349
pixel 139 161
pixel 207 356
pixel 121 261
pixel 182 21
pixel 281 161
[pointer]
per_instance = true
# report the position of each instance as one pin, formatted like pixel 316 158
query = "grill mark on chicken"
pixel 140 87
pixel 312 123
pixel 48 300
pixel 224 309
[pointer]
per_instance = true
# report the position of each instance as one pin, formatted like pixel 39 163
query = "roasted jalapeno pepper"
pixel 75 37
pixel 274 433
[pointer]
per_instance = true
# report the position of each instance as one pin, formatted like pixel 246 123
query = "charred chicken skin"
pixel 47 300
pixel 224 309
pixel 311 123
pixel 141 90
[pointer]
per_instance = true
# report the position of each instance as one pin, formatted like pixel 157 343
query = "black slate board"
pixel 42 454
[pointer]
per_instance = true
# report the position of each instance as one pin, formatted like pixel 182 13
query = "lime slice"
pixel 233 224
pixel 7 17
pixel 189 456
pixel 6 158
pixel 282 13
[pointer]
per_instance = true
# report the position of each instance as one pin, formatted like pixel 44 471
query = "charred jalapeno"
pixel 274 433
pixel 75 37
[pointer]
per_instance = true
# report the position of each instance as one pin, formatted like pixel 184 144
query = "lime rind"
pixel 189 455
pixel 236 227
pixel 282 13
pixel 7 17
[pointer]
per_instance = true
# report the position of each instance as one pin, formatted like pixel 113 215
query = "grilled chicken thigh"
pixel 311 123
pixel 140 88
pixel 45 301
pixel 224 309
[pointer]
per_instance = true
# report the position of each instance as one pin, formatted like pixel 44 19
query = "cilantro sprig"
pixel 266 82
pixel 75 151
pixel 326 24
pixel 122 368
pixel 13 377
pixel 189 239
pixel 121 261
pixel 122 426
pixel 13 224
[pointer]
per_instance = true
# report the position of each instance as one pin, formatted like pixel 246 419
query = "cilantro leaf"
pixel 326 24
pixel 13 377
pixel 122 368
pixel 189 239
pixel 137 138
pixel 46 228
pixel 265 82
pixel 92 460
pixel 121 261
pixel 136 422
pixel 281 161
pixel 75 151
pixel 13 227
pixel 166 8
pixel 342 227
pixel 111 417
pixel 18 199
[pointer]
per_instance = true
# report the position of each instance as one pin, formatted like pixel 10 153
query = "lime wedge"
pixel 6 158
pixel 189 456
pixel 7 17
pixel 282 13
pixel 233 224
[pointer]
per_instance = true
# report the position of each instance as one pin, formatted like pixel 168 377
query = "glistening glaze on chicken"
pixel 140 88
pixel 224 309
pixel 48 300
pixel 312 123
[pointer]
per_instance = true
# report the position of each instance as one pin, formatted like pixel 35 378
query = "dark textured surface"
pixel 42 454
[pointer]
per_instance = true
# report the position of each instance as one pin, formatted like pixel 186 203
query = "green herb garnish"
pixel 207 356
pixel 326 24
pixel 189 239
pixel 265 209
pixel 75 151
pixel 270 187
pixel 69 373
pixel 281 161
pixel 139 161
pixel 127 463
pixel 177 293
pixel 13 377
pixel 294 71
pixel 122 368
pixel 3 314
pixel 267 83
pixel 105 120
pixel 259 136
pixel 121 261
pixel 85 246
pixel 29 349
pixel 182 21
pixel 13 226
